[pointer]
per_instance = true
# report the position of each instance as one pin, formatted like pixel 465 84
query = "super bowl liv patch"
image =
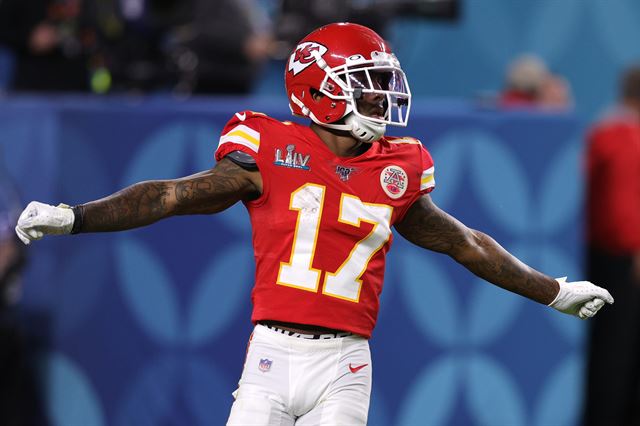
pixel 291 158
pixel 394 181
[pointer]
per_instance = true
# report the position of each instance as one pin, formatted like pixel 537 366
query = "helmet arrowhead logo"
pixel 303 56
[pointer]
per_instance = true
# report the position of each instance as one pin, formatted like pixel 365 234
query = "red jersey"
pixel 322 226
pixel 613 184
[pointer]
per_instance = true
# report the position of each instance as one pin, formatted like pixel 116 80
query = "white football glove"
pixel 38 220
pixel 581 298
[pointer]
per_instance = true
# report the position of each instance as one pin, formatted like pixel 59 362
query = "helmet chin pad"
pixel 364 130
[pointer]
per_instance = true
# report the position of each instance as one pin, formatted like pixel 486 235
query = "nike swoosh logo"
pixel 242 116
pixel 356 369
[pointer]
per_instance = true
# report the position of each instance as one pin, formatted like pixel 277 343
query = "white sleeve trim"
pixel 427 180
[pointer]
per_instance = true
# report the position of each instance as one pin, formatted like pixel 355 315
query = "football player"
pixel 322 200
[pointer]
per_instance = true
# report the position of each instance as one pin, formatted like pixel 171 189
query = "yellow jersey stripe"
pixel 240 141
pixel 427 179
pixel 242 135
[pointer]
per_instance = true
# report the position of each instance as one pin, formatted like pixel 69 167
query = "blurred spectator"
pixel 17 405
pixel 49 42
pixel 190 46
pixel 613 237
pixel 530 83
pixel 555 93
pixel 216 46
pixel 298 18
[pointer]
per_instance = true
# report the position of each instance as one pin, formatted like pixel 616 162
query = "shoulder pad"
pixel 243 160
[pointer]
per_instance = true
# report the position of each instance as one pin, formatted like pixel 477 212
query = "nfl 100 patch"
pixel 344 172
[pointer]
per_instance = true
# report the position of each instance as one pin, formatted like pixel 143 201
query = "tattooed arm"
pixel 147 202
pixel 429 227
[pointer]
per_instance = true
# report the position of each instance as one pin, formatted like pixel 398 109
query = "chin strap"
pixel 360 128
pixel 365 130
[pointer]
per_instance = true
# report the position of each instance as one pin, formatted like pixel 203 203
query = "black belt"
pixel 304 331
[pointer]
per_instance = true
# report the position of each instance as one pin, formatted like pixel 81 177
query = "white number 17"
pixel 345 283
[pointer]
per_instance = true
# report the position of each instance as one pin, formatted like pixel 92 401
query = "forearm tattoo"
pixel 498 266
pixel 147 202
pixel 427 226
pixel 213 192
pixel 137 205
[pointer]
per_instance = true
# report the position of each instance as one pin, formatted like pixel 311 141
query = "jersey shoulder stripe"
pixel 242 135
pixel 427 180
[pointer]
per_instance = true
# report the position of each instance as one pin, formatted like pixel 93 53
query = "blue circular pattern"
pixel 498 179
pixel 378 409
pixel 236 218
pixel 437 386
pixel 156 388
pixel 206 141
pixel 491 313
pixel 561 188
pixel 449 161
pixel 558 263
pixel 561 396
pixel 148 290
pixel 493 396
pixel 428 295
pixel 225 285
pixel 40 291
pixel 202 381
pixel 72 399
pixel 77 297
pixel 572 330
pixel 162 156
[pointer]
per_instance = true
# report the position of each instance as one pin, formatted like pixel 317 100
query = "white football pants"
pixel 295 381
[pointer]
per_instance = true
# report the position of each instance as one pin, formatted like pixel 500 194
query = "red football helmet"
pixel 343 61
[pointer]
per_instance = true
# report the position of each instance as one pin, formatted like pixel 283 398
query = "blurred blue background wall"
pixel 149 327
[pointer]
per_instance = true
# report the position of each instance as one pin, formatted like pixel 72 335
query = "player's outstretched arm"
pixel 429 227
pixel 144 203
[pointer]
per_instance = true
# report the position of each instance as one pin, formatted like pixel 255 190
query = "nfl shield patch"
pixel 265 365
